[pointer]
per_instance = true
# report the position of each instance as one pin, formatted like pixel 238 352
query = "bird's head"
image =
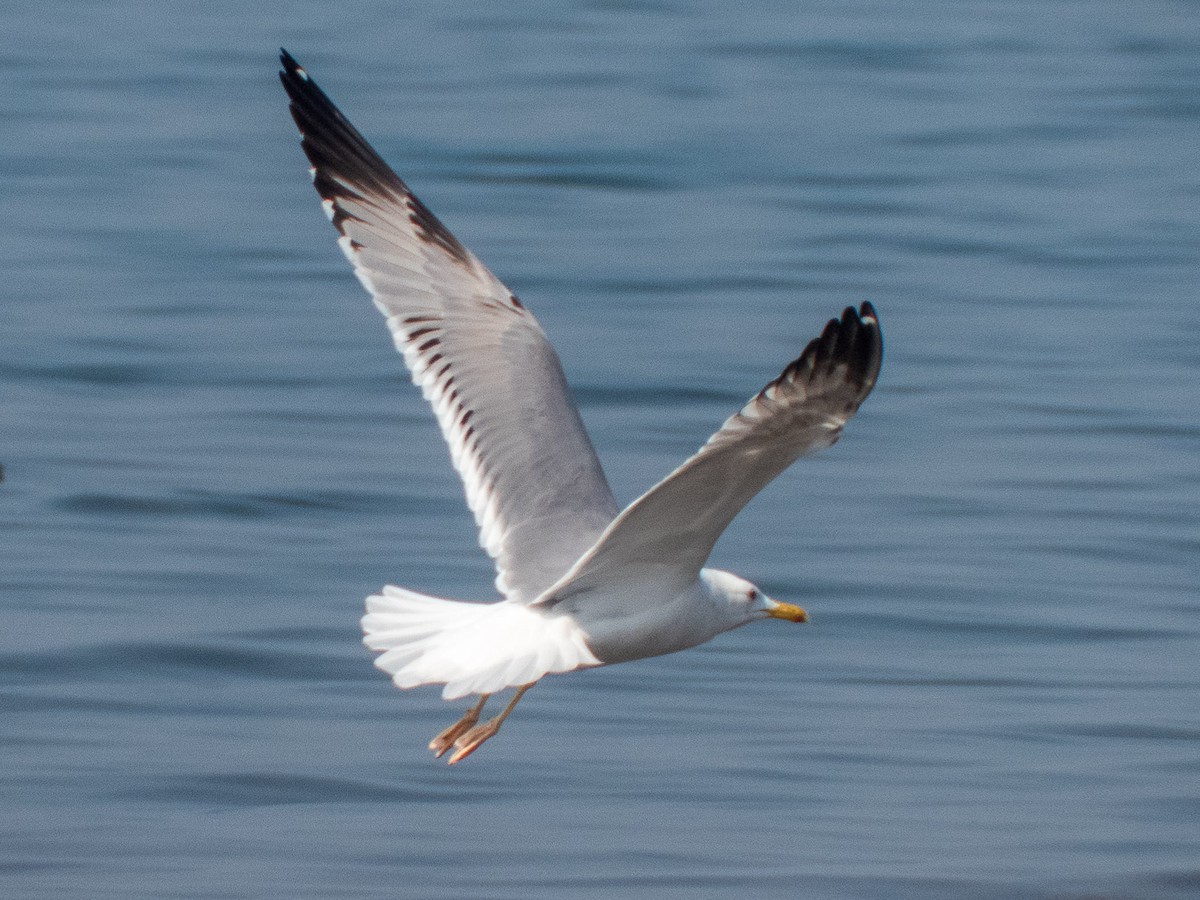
pixel 746 601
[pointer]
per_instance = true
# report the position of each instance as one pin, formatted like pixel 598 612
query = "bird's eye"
pixel 752 595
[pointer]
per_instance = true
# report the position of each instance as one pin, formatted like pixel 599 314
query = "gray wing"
pixel 671 529
pixel 532 478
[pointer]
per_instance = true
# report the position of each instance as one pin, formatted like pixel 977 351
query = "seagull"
pixel 582 582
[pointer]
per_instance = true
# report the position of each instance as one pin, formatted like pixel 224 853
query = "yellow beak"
pixel 787 611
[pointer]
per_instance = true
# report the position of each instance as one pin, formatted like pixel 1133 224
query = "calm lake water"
pixel 212 454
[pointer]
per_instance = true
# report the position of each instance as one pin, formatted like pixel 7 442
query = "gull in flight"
pixel 584 583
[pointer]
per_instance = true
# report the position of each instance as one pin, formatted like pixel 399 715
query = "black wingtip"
pixel 867 352
pixel 293 75
pixel 344 163
pixel 853 340
pixel 290 66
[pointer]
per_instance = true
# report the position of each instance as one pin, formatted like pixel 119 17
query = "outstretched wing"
pixel 671 529
pixel 532 478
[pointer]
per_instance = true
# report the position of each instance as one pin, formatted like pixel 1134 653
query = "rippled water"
pixel 211 453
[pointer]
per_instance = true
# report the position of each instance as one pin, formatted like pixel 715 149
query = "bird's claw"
pixel 444 741
pixel 469 741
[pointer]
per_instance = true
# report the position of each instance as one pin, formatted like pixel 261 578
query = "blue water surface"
pixel 211 452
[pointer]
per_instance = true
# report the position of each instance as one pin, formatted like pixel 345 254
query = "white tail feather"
pixel 472 648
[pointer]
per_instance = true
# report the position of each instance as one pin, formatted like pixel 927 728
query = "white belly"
pixel 633 621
